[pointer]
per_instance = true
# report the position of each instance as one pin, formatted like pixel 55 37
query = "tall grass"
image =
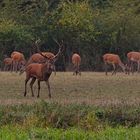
pixel 56 115
pixel 15 133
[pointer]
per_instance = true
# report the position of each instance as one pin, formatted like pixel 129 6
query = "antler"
pixel 57 42
pixel 38 49
pixel 60 48
pixel 37 45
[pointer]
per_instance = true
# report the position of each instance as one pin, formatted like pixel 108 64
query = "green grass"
pixel 91 106
pixel 16 133
pixel 90 88
pixel 87 117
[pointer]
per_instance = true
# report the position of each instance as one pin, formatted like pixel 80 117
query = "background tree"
pixel 88 27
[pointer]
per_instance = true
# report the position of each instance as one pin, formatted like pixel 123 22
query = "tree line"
pixel 88 27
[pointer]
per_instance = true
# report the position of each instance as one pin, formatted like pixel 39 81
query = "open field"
pixel 90 88
pixel 91 106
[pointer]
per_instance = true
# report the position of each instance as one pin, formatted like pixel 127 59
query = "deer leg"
pixel 138 69
pixel 4 68
pixel 11 66
pixel 105 68
pixel 38 88
pixel 129 66
pixel 114 69
pixel 7 68
pixel 15 66
pixel 132 67
pixel 74 70
pixel 18 66
pixel 26 81
pixel 16 69
pixel 127 69
pixel 47 82
pixel 74 73
pixel 31 85
pixel 79 70
pixel 54 70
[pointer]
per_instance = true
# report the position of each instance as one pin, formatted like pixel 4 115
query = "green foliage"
pixel 73 22
pixel 24 12
pixel 13 133
pixel 59 116
pixel 120 23
pixel 91 122
pixel 68 22
pixel 14 37
pixel 16 132
pixel 89 27
pixel 9 30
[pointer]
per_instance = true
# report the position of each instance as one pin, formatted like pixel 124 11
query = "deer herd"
pixel 114 60
pixel 41 64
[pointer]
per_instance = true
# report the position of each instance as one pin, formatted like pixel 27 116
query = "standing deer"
pixel 7 64
pixel 133 57
pixel 114 60
pixel 18 60
pixel 76 60
pixel 41 72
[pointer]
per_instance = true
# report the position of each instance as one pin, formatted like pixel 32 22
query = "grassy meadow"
pixel 90 88
pixel 90 106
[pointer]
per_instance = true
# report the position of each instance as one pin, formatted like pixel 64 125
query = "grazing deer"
pixel 41 72
pixel 133 57
pixel 7 64
pixel 76 60
pixel 18 60
pixel 38 58
pixel 114 60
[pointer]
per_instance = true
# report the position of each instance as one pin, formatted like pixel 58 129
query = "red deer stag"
pixel 38 58
pixel 41 72
pixel 76 60
pixel 7 64
pixel 18 60
pixel 114 60
pixel 133 57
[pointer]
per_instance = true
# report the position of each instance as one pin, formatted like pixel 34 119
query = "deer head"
pixel 51 61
